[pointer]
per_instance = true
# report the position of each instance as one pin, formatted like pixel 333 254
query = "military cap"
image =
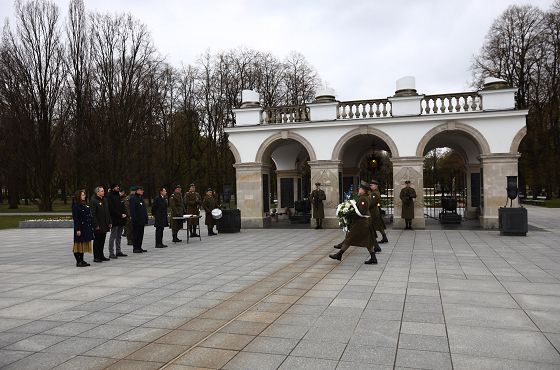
pixel 317 183
pixel 209 189
pixel 364 185
pixel 139 187
pixel 132 188
pixel 374 182
pixel 178 186
pixel 407 182
pixel 192 185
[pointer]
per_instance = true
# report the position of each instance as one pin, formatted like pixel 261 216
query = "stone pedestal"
pixel 249 180
pixel 412 169
pixel 327 173
pixel 495 168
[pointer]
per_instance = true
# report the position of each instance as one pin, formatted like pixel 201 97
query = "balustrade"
pixel 451 103
pixel 287 114
pixel 364 109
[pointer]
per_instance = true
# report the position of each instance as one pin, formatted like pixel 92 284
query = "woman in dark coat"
pixel 159 211
pixel 83 227
pixel 360 234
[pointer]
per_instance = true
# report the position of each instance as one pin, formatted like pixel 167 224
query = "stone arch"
pixel 517 140
pixel 235 152
pixel 283 135
pixel 365 130
pixel 478 138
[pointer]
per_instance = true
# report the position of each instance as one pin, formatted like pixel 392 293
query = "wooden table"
pixel 191 217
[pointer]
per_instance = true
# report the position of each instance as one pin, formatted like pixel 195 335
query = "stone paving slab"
pixel 272 299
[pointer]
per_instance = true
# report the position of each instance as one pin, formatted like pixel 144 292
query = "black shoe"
pixel 143 250
pixel 195 235
pixel 337 255
pixel 176 240
pixel 372 259
pixel 105 258
pixel 121 254
pixel 160 246
pixel 165 246
pixel 97 260
pixel 113 257
pixel 384 240
pixel 137 251
pixel 377 249
pixel 338 246
pixel 82 264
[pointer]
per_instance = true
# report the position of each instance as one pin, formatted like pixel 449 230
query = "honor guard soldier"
pixel 360 234
pixel 407 196
pixel 177 210
pixel 209 203
pixel 193 201
pixel 375 211
pixel 317 197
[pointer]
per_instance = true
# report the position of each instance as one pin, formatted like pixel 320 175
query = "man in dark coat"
pixel 177 210
pixel 193 201
pixel 101 223
pixel 209 203
pixel 159 211
pixel 407 196
pixel 360 233
pixel 139 218
pixel 374 209
pixel 128 225
pixel 118 220
pixel 317 197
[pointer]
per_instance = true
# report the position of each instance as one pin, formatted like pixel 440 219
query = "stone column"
pixel 495 168
pixel 471 211
pixel 412 169
pixel 249 181
pixel 283 174
pixel 327 173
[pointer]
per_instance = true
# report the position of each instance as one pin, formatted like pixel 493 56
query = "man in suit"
pixel 128 225
pixel 177 210
pixel 139 218
pixel 118 220
pixel 159 211
pixel 101 223
pixel 317 197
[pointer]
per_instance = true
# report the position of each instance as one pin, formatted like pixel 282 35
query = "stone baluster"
pixel 370 111
pixel 351 111
pixel 344 115
pixel 457 104
pixel 466 103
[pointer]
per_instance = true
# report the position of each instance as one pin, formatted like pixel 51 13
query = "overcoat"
pixel 193 201
pixel 360 233
pixel 209 203
pixel 83 222
pixel 100 213
pixel 177 210
pixel 138 212
pixel 317 198
pixel 116 208
pixel 159 211
pixel 375 203
pixel 407 196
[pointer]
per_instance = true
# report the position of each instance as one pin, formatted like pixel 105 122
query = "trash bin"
pixel 230 221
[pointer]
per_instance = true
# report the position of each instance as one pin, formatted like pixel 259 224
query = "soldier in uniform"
pixel 139 217
pixel 209 203
pixel 128 225
pixel 317 197
pixel 177 210
pixel 407 196
pixel 360 233
pixel 376 219
pixel 193 201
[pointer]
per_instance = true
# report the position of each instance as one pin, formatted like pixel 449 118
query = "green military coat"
pixel 407 196
pixel 177 210
pixel 317 198
pixel 375 203
pixel 193 201
pixel 360 234
pixel 209 203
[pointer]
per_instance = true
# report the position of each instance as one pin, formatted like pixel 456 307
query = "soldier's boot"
pixel 193 233
pixel 176 239
pixel 384 240
pixel 372 259
pixel 320 223
pixel 377 249
pixel 337 255
pixel 211 231
pixel 338 246
pixel 409 225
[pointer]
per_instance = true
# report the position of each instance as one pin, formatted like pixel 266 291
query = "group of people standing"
pixel 117 213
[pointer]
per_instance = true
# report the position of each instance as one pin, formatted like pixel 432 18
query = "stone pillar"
pixel 249 181
pixel 327 173
pixel 412 169
pixel 470 210
pixel 283 174
pixel 495 168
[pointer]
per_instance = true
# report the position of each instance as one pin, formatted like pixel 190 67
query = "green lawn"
pixel 12 222
pixel 58 206
pixel 552 203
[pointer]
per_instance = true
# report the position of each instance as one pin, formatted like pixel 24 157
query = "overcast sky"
pixel 359 48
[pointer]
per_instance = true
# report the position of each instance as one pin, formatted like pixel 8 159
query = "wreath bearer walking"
pixel 374 209
pixel 360 234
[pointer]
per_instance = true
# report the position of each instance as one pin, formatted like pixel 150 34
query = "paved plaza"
pixel 268 299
